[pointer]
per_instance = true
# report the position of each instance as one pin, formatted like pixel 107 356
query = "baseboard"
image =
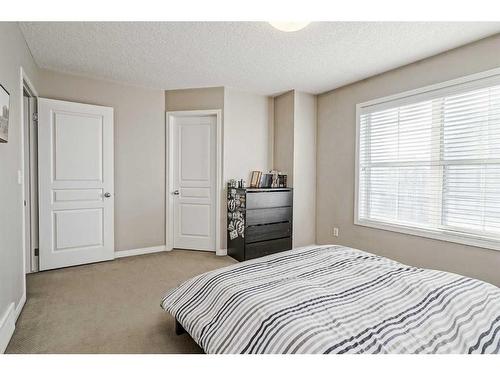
pixel 144 250
pixel 20 306
pixel 221 252
pixel 7 326
pixel 153 249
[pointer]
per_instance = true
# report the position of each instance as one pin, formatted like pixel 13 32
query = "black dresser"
pixel 259 222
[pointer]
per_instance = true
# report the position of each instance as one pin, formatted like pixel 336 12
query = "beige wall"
pixel 335 165
pixel 295 154
pixel 270 130
pixel 139 150
pixel 247 142
pixel 284 117
pixel 14 55
pixel 194 99
pixel 304 170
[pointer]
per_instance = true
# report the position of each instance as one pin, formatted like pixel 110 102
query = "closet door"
pixel 76 200
pixel 194 173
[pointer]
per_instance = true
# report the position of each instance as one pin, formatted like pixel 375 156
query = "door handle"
pixel 175 192
pixel 107 195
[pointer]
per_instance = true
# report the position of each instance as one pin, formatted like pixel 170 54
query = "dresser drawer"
pixel 267 232
pixel 269 215
pixel 260 249
pixel 268 199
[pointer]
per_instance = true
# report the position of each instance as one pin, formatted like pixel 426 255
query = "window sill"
pixel 470 240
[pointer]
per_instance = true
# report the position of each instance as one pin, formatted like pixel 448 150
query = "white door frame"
pixel 23 81
pixel 169 157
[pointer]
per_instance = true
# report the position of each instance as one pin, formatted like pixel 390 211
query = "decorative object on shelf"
pixel 266 181
pixel 4 115
pixel 232 183
pixel 255 179
pixel 282 180
pixel 274 181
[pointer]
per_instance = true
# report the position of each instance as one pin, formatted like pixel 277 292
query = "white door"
pixel 194 181
pixel 75 174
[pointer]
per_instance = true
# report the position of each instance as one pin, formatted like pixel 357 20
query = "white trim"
pixel 356 167
pixel 20 306
pixel 7 327
pixel 23 79
pixel 8 322
pixel 447 236
pixel 170 115
pixel 28 82
pixel 472 80
pixel 221 252
pixel 140 251
pixel 469 82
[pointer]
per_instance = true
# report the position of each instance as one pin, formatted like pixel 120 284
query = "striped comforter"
pixel 334 299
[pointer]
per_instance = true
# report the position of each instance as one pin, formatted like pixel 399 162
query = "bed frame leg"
pixel 179 330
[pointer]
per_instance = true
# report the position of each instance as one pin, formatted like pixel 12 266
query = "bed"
pixel 335 299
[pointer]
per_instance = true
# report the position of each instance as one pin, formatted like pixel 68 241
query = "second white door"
pixel 194 145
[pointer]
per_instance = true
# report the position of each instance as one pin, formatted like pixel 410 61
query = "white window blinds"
pixel 429 164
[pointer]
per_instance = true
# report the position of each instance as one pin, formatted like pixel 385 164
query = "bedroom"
pixel 120 173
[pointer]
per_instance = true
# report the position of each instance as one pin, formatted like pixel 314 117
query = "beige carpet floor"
pixel 108 307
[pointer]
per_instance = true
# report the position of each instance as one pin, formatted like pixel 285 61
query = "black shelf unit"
pixel 260 221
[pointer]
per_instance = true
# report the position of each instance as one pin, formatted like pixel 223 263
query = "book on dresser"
pixel 259 221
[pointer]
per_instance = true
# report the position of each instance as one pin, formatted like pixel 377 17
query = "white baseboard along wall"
pixel 221 252
pixel 141 251
pixel 8 322
pixel 7 326
pixel 154 249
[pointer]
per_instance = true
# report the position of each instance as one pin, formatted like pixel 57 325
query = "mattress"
pixel 335 299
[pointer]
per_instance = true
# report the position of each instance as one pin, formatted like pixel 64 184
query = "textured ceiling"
pixel 250 56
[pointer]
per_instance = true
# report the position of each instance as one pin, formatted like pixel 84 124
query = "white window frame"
pixel 467 83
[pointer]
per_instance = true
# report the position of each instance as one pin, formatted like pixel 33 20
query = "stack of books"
pixel 273 179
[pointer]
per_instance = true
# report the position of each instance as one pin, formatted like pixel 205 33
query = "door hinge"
pixel 36 251
pixel 35 117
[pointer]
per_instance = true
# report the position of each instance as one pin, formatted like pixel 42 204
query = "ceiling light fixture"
pixel 289 26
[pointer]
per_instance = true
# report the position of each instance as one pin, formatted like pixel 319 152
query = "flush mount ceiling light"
pixel 289 26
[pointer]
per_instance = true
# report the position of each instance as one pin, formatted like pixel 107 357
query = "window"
pixel 428 161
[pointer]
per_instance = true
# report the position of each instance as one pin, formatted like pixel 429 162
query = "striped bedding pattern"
pixel 335 299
